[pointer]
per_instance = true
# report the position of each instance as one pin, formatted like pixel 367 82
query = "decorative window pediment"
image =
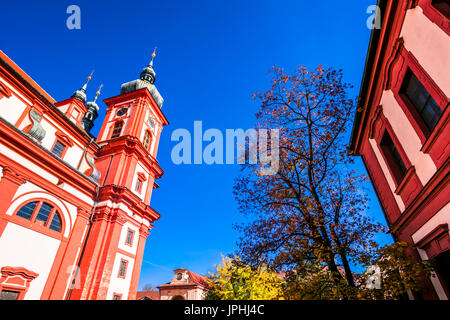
pixel 14 282
pixel 64 138
pixel 36 130
pixel 92 171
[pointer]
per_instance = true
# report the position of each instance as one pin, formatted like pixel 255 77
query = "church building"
pixel 185 285
pixel 75 209
pixel 402 129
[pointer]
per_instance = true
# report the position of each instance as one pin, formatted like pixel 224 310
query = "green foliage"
pixel 313 281
pixel 399 272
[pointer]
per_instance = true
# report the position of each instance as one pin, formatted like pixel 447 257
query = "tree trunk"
pixel 348 271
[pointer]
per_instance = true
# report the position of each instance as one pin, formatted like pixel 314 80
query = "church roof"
pixel 147 295
pixel 194 280
pixel 146 80
pixel 42 95
pixel 197 279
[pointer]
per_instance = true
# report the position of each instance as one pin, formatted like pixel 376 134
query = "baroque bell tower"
pixel 127 163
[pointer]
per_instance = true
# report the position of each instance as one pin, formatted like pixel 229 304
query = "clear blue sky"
pixel 212 55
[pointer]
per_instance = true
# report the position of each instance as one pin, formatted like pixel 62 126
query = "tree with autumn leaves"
pixel 313 211
pixel 235 280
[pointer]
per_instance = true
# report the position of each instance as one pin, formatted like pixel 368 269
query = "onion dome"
pixel 88 120
pixel 146 80
pixel 148 74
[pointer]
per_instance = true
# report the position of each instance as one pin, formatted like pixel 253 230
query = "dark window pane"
pixel 398 159
pixel 116 297
pixel 415 93
pixel 43 213
pixel 117 130
pixel 130 237
pixel 423 102
pixel 138 185
pixel 431 113
pixel 123 267
pixel 27 210
pixel 146 140
pixel 443 6
pixel 394 160
pixel 443 267
pixel 56 222
pixel 9 295
pixel 58 149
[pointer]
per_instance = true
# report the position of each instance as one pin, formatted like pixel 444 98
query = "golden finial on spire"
pixel 88 79
pixel 153 56
pixel 98 92
pixel 99 88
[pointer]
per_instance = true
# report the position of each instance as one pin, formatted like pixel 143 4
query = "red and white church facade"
pixel 402 129
pixel 74 209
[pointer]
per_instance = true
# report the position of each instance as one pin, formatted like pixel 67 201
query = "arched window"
pixel 27 210
pixel 147 139
pixel 41 213
pixel 117 129
pixel 56 223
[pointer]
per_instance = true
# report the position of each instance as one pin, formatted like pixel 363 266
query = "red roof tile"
pixel 152 295
pixel 197 279
pixel 194 280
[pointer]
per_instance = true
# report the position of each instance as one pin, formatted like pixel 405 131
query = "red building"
pixel 74 209
pixel 402 129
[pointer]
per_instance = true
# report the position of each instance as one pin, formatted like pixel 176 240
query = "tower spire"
pixel 146 80
pixel 81 93
pixel 98 93
pixel 88 120
pixel 148 74
pixel 87 81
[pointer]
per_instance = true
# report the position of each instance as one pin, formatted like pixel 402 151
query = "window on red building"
pixel 443 6
pixel 56 223
pixel 147 140
pixel 27 210
pixel 425 107
pixel 393 158
pixel 443 267
pixel 75 114
pixel 130 236
pixel 58 149
pixel 138 185
pixel 117 297
pixel 41 213
pixel 123 268
pixel 117 129
pixel 9 295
